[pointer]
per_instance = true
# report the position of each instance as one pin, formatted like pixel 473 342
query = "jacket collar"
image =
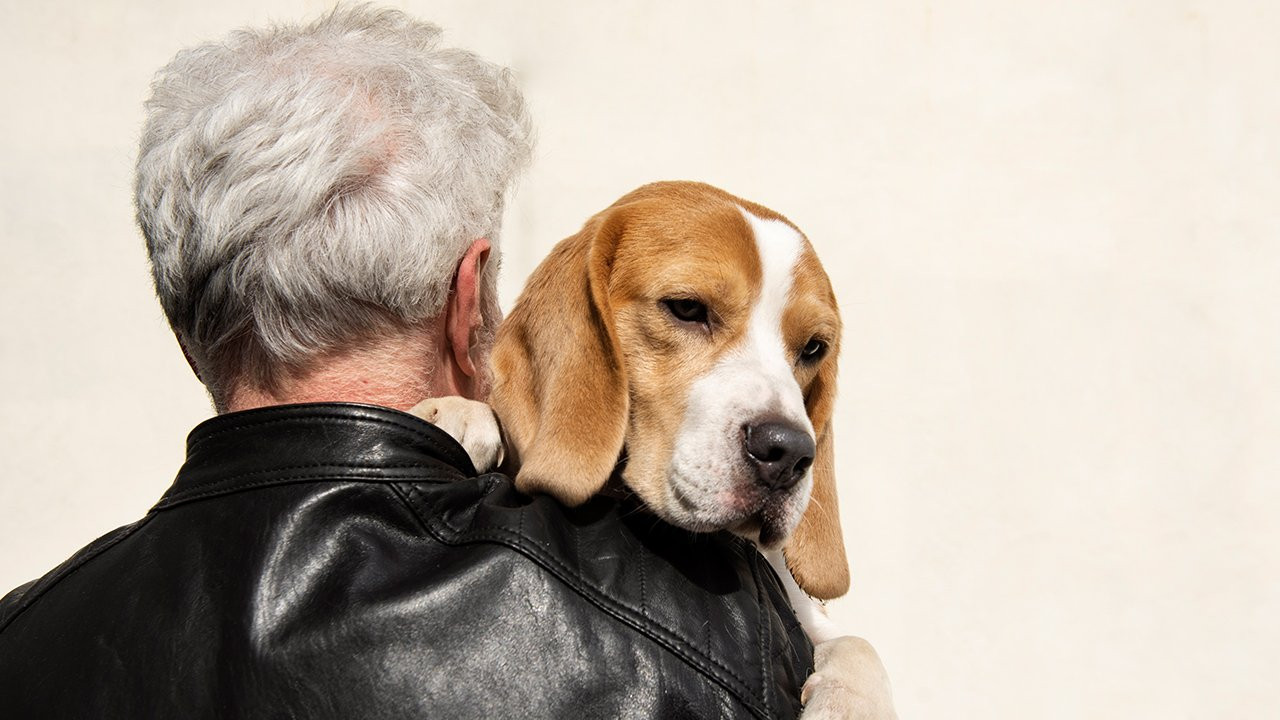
pixel 315 441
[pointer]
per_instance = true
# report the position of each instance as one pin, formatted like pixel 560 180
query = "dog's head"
pixel 699 331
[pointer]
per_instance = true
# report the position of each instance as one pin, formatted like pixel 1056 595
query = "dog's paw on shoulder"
pixel 471 422
pixel 848 682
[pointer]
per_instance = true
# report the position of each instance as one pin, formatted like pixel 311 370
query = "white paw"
pixel 471 423
pixel 848 682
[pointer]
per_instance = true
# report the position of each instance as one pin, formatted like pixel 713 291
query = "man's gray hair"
pixel 305 187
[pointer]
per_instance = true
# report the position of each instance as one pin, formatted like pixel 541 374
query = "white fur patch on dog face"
pixel 711 483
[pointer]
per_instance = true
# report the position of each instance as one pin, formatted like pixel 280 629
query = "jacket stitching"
pixel 643 610
pixel 304 466
pixel 175 500
pixel 706 636
pixel 764 641
pixel 664 637
pixel 330 419
pixel 309 417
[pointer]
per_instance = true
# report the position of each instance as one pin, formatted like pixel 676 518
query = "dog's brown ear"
pixel 560 386
pixel 815 551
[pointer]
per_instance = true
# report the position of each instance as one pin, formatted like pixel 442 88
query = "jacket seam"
pixel 340 467
pixel 765 695
pixel 38 590
pixel 332 419
pixel 176 500
pixel 197 441
pixel 665 638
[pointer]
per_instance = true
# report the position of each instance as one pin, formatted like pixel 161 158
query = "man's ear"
pixel 462 311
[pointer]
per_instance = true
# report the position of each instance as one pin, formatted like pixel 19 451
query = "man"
pixel 321 206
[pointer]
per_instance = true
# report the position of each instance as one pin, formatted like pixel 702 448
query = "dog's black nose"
pixel 779 451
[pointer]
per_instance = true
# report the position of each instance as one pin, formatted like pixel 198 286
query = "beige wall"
pixel 1053 228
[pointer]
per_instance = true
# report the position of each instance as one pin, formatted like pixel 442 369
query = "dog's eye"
pixel 813 351
pixel 686 310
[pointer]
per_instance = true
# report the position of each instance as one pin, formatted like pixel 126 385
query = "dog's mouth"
pixel 766 518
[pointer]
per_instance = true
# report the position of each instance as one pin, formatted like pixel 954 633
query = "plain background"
pixel 1052 228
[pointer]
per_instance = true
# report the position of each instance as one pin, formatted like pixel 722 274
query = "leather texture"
pixel 345 561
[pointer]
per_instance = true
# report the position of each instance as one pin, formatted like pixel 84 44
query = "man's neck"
pixel 396 372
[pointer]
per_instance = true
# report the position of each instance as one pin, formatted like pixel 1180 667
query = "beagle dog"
pixel 694 334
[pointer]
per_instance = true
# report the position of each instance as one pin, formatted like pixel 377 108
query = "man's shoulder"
pixel 19 599
pixel 432 582
pixel 11 600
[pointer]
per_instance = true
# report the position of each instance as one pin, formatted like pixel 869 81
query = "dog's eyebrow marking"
pixel 763 352
pixel 779 247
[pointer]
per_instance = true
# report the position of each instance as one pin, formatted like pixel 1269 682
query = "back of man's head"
pixel 304 188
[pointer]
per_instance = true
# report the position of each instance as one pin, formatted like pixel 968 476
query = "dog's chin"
pixel 768 529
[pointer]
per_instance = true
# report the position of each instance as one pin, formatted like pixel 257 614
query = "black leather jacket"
pixel 345 561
